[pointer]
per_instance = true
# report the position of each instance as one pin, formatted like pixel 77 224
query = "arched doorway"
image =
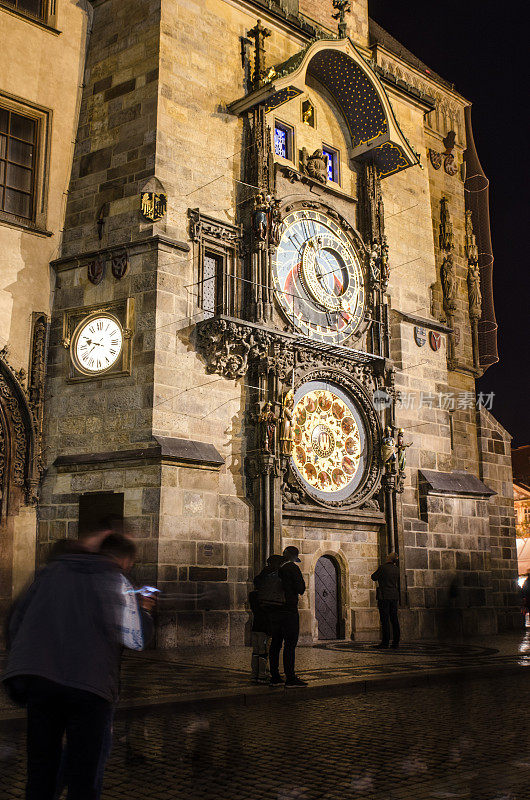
pixel 327 598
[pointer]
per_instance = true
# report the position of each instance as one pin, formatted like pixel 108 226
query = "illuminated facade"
pixel 284 239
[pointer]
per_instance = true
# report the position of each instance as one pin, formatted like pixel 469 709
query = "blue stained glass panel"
pixel 332 158
pixel 280 142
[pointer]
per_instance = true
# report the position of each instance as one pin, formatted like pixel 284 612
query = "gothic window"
pixel 34 8
pixel 333 163
pixel 212 270
pixel 18 155
pixel 283 140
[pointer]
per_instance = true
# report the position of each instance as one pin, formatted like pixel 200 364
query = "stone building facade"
pixel 269 313
pixel 39 108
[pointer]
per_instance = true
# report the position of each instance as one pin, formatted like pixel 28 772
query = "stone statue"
pixel 286 426
pixel 275 223
pixel 388 450
pixel 402 450
pixel 473 289
pixel 260 217
pixel 316 166
pixel 449 283
pixel 268 422
pixel 384 267
pixel 375 263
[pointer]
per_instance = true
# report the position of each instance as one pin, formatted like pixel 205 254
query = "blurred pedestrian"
pixel 286 622
pixel 387 577
pixel 267 595
pixel 89 540
pixel 525 593
pixel 66 635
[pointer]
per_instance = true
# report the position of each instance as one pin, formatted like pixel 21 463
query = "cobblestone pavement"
pixel 182 673
pixel 463 740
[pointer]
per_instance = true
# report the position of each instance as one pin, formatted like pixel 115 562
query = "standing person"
pixel 387 577
pixel 286 622
pixel 267 596
pixel 525 591
pixel 67 634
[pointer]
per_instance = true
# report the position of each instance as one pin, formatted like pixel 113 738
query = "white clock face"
pixel 97 344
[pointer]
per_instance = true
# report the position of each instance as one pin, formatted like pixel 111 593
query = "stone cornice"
pixel 73 261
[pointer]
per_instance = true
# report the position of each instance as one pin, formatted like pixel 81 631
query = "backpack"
pixel 270 589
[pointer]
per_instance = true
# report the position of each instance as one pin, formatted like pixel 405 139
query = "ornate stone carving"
pixel 449 283
pixel 96 270
pixel 259 33
pixel 260 217
pixel 202 225
pixel 19 433
pixel 227 346
pixel 119 264
pixel 446 237
pixel 343 7
pixel 473 272
pixel 474 292
pixel 268 424
pixel 286 425
pixel 389 451
pixel 435 158
pixel 315 166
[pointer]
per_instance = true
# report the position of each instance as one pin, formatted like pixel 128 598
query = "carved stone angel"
pixel 315 166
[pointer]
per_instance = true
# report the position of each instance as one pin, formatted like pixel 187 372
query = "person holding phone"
pixel 67 634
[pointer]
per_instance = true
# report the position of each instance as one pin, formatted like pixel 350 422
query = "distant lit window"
pixel 333 164
pixel 283 140
pixel 34 8
pixel 18 149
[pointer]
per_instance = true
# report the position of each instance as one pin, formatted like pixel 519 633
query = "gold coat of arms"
pixel 154 205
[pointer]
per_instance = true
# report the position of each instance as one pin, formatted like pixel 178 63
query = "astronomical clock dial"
pixel 318 278
pixel 97 344
pixel 329 441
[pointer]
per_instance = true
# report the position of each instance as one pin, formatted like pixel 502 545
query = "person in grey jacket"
pixel 66 637
pixel 387 577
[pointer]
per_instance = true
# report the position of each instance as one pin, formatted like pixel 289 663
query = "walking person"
pixel 66 638
pixel 286 622
pixel 387 577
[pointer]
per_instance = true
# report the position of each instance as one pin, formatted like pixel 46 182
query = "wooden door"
pixel 327 598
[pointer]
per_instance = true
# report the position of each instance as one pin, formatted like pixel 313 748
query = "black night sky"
pixel 481 46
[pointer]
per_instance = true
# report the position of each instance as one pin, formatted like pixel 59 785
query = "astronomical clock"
pixel 318 278
pixel 304 315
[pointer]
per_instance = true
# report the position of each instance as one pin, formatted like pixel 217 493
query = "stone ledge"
pixel 180 451
pixel 455 484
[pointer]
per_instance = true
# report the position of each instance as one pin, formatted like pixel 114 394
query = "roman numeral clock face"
pixel 318 278
pixel 97 344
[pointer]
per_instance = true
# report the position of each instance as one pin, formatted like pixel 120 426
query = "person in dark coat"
pixel 286 622
pixel 387 577
pixel 261 622
pixel 67 634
